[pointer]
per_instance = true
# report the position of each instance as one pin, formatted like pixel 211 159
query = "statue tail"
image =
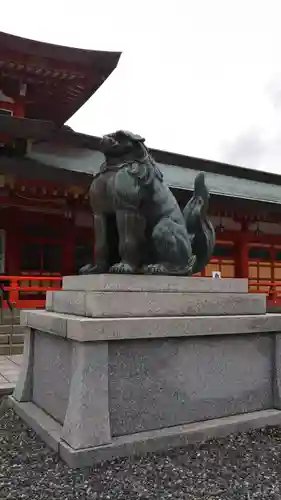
pixel 198 225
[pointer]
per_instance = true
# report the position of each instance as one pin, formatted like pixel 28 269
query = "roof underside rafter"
pixel 59 79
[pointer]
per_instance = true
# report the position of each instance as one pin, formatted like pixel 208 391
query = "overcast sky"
pixel 200 77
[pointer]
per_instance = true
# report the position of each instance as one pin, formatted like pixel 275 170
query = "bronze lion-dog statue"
pixel 155 236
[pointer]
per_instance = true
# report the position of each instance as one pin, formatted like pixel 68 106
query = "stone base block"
pixel 142 443
pixel 111 296
pixel 111 371
pixel 85 329
pixel 147 304
pixel 142 283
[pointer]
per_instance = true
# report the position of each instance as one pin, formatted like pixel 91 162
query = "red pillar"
pixel 242 264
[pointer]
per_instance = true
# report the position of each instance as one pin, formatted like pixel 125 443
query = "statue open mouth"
pixel 108 143
pixel 116 145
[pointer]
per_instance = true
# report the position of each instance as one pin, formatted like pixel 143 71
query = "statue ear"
pixel 131 136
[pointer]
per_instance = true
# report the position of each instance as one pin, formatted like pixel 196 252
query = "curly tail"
pixel 198 224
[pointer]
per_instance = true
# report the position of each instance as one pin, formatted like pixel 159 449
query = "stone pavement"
pixel 9 372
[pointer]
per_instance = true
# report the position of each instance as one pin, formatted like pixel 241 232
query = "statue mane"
pixel 144 167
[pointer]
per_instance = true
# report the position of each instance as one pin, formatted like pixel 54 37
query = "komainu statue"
pixel 155 236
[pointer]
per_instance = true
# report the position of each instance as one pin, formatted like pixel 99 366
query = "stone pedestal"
pixel 120 365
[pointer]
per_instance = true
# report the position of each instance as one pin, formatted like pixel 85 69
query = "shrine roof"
pixel 68 136
pixel 80 153
pixel 59 79
pixel 67 152
pixel 26 128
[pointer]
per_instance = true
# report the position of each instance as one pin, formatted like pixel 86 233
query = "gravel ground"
pixel 246 466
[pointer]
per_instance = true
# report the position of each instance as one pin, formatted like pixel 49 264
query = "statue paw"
pixel 91 269
pixel 155 269
pixel 122 268
pixel 170 270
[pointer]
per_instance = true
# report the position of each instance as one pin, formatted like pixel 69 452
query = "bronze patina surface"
pixel 155 235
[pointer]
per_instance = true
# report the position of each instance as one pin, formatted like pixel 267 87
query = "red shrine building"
pixel 46 169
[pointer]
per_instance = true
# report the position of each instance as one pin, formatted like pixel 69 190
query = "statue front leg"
pixel 131 232
pixel 101 249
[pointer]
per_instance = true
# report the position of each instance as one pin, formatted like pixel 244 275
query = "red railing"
pixel 271 288
pixel 27 292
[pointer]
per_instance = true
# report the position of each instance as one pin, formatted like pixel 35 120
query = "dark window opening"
pixel 52 258
pixel 42 231
pixel 259 253
pixel 223 251
pixel 31 257
pixel 40 258
pixel 278 255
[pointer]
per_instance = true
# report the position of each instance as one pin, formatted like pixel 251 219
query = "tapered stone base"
pixel 101 383
pixel 141 443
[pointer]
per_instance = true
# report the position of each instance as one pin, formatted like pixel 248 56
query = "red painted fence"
pixel 29 292
pixel 271 288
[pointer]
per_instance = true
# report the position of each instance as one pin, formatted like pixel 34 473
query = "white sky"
pixel 199 77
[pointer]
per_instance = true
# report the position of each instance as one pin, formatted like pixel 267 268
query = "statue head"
pixel 122 143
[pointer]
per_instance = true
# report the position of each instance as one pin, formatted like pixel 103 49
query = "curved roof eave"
pixel 88 161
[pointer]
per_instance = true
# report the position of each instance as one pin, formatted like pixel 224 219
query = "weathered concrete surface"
pixel 23 390
pixel 149 384
pixel 142 304
pixel 141 283
pixel 172 382
pixel 104 387
pixel 45 321
pixel 51 374
pixel 276 369
pixel 88 397
pixel 85 329
pixel 141 443
pixel 9 373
